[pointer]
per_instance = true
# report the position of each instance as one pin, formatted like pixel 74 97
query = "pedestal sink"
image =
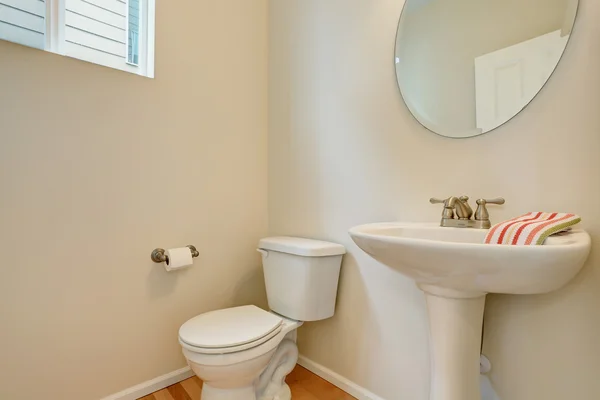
pixel 456 270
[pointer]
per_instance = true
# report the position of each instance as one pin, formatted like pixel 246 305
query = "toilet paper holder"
pixel 159 256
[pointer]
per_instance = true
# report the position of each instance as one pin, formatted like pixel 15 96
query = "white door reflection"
pixel 507 79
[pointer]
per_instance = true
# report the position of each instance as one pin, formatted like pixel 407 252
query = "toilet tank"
pixel 301 276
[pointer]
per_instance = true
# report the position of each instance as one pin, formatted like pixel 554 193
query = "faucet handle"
pixel 437 201
pixel 448 212
pixel 482 213
pixel 498 200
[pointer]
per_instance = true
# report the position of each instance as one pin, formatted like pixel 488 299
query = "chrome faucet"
pixel 457 212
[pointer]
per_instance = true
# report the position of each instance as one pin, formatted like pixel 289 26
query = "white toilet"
pixel 245 353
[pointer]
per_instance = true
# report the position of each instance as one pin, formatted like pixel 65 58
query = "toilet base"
pixel 284 393
pixel 238 382
pixel 212 393
pixel 246 393
pixel 271 383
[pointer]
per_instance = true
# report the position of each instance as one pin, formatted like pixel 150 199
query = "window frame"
pixel 55 26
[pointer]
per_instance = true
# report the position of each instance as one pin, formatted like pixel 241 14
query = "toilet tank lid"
pixel 301 246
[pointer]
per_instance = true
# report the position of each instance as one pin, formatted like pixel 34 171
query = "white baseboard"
pixel 153 385
pixel 335 379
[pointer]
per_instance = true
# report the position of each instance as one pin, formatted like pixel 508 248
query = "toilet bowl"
pixel 245 353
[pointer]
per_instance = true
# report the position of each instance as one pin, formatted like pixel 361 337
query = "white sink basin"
pixel 457 259
pixel 456 270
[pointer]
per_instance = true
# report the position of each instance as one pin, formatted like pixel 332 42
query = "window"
pixel 114 33
pixel 133 32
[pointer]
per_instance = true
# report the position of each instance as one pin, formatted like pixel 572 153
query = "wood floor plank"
pixel 299 392
pixel 149 397
pixel 192 388
pixel 292 377
pixel 163 395
pixel 300 374
pixel 197 380
pixel 178 392
pixel 327 393
pixel 318 386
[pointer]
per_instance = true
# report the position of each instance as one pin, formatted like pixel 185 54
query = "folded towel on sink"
pixel 530 229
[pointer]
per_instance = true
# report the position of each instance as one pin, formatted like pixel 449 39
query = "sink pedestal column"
pixel 455 320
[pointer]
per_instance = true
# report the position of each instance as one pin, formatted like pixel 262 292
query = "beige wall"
pixel 439 44
pixel 97 168
pixel 344 150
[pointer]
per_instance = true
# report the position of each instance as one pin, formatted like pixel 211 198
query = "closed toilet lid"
pixel 230 327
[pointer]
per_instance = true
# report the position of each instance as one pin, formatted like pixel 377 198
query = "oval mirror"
pixel 465 67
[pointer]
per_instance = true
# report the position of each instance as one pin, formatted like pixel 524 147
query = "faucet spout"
pixel 461 205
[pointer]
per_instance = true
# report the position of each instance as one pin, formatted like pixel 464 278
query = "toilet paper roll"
pixel 178 258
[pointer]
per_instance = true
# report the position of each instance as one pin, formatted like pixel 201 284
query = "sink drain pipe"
pixel 485 366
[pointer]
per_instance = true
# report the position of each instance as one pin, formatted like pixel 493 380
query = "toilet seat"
pixel 230 349
pixel 230 330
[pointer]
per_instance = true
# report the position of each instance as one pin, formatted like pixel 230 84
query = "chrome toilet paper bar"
pixel 159 256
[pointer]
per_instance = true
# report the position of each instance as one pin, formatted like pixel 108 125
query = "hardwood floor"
pixel 304 385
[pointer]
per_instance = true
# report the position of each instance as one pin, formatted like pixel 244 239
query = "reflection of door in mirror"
pixel 113 33
pixel 507 79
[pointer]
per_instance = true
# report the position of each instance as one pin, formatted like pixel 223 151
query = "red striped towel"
pixel 530 229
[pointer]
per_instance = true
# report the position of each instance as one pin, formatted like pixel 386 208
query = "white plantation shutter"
pixel 23 22
pixel 96 31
